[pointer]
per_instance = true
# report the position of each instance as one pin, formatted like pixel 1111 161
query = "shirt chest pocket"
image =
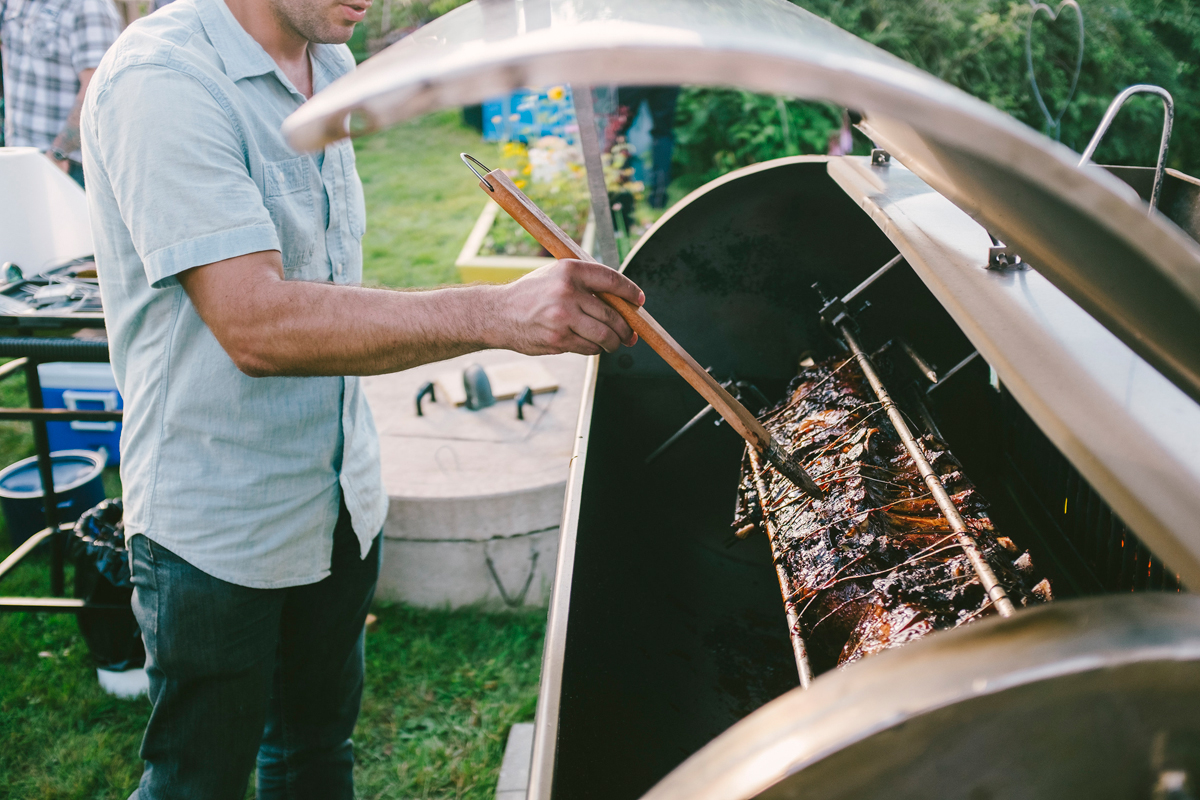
pixel 356 209
pixel 288 192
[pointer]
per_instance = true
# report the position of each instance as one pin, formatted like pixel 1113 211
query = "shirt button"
pixel 337 269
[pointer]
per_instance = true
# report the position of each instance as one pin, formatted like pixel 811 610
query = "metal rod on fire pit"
pixel 987 577
pixel 506 194
pixel 793 619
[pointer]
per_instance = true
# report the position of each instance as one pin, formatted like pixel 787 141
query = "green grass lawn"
pixel 442 688
pixel 421 199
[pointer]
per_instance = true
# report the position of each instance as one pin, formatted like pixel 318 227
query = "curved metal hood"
pixel 1083 229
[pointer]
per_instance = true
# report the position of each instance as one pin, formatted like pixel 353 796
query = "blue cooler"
pixel 77 480
pixel 82 387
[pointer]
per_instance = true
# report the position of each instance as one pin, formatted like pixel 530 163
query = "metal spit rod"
pixel 793 619
pixel 987 577
pixel 879 273
pixel 920 363
pixel 943 380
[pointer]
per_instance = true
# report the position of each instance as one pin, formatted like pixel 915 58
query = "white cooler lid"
pixel 72 375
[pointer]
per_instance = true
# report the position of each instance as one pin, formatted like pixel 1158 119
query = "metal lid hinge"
pixel 1001 257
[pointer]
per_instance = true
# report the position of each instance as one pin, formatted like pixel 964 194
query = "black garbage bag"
pixel 102 578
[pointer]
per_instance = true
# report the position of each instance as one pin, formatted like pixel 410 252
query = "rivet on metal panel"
pixel 1001 257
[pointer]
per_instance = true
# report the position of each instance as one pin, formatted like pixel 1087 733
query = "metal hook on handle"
pixel 1168 123
pixel 472 162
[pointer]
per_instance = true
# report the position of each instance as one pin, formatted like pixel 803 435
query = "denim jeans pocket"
pixel 143 576
pixel 141 562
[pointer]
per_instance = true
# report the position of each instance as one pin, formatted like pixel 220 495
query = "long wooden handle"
pixel 559 245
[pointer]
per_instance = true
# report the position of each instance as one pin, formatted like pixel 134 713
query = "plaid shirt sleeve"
pixel 95 27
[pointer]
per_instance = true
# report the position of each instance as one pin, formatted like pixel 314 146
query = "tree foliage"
pixel 979 46
pixel 718 130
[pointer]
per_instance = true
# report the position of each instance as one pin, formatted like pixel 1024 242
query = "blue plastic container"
pixel 77 481
pixel 82 387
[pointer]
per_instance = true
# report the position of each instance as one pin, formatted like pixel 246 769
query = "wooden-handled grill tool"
pixel 501 189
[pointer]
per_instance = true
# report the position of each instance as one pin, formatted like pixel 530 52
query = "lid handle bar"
pixel 1168 123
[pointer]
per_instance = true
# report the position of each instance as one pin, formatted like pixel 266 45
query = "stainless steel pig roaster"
pixel 1068 389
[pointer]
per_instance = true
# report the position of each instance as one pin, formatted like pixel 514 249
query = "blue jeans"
pixel 238 674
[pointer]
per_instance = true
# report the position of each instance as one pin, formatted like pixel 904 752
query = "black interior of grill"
pixel 676 630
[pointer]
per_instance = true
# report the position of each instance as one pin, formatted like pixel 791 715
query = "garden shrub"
pixel 979 46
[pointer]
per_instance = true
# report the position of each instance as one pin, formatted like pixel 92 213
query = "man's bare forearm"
pixel 67 140
pixel 271 326
pixel 323 329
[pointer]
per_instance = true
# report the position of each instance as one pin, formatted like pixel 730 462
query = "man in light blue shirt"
pixel 228 265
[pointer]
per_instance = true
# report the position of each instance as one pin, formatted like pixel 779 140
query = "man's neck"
pixel 281 41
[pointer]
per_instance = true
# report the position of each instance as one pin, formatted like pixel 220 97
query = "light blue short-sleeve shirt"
pixel 185 166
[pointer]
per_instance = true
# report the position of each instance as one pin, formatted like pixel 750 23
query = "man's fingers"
pixel 574 343
pixel 597 278
pixel 558 310
pixel 596 332
pixel 599 310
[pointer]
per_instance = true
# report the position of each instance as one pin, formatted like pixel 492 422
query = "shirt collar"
pixel 244 57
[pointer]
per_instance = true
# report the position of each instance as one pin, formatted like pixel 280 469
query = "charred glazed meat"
pixel 874 564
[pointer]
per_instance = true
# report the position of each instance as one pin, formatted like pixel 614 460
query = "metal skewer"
pixel 799 650
pixel 920 363
pixel 958 525
pixel 691 423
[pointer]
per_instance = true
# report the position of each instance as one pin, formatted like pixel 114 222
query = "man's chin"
pixel 334 34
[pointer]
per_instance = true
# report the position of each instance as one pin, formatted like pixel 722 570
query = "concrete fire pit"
pixel 475 496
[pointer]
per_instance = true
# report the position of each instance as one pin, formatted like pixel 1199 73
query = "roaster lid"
pixel 1085 230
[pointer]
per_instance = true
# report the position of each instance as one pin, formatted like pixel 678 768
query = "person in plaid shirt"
pixel 50 50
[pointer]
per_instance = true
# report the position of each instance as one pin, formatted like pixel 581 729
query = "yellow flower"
pixel 520 184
